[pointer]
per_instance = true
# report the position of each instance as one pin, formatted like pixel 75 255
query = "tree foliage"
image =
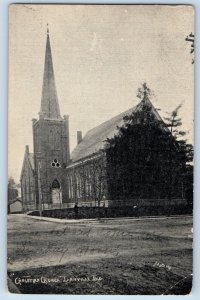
pixel 145 159
pixel 12 190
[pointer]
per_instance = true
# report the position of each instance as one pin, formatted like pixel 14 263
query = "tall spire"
pixel 49 103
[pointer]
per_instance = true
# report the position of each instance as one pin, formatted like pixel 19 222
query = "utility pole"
pixel 39 190
pixel 60 200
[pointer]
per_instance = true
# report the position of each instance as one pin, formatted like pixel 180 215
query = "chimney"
pixel 27 149
pixel 34 121
pixel 79 137
pixel 66 117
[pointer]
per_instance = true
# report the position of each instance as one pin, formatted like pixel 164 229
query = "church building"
pixel 51 177
pixel 50 148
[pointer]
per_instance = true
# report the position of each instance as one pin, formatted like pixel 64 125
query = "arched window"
pixel 55 184
pixel 69 186
pixel 78 185
pixel 89 184
pixel 72 187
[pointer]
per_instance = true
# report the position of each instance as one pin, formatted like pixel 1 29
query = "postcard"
pixel 100 187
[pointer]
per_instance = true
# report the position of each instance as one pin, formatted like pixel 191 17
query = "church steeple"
pixel 49 103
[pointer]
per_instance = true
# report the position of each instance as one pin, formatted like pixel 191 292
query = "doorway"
pixel 56 192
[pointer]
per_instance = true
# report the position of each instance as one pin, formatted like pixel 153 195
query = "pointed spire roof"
pixel 49 103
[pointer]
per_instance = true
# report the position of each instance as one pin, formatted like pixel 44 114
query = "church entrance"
pixel 56 192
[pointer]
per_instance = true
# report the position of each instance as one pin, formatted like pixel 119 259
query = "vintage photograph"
pixel 100 149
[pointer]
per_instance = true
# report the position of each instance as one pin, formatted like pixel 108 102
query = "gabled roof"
pixel 11 201
pixel 28 160
pixel 31 160
pixel 94 140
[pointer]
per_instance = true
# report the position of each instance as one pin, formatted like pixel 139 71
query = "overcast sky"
pixel 101 55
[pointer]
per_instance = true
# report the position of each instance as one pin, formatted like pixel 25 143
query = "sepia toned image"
pixel 100 149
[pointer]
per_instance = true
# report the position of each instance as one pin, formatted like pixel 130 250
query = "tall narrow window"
pixel 69 186
pixel 57 140
pixel 72 187
pixel 51 140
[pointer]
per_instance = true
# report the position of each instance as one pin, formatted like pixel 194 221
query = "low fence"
pixel 117 203
pixel 119 208
pixel 146 202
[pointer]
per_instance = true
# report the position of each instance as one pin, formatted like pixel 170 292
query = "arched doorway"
pixel 56 192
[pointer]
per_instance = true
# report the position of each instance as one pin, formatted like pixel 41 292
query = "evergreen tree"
pixel 12 192
pixel 185 152
pixel 144 160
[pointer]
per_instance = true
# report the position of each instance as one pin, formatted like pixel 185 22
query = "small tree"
pixel 11 182
pixel 98 179
pixel 12 191
pixel 93 178
pixel 184 150
pixel 190 39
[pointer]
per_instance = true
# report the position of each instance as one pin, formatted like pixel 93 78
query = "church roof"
pixel 28 161
pixel 49 103
pixel 31 160
pixel 94 140
pixel 11 201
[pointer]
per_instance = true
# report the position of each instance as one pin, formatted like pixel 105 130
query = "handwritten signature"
pixel 161 265
pixel 63 279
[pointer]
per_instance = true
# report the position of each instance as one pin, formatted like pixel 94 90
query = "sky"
pixel 101 56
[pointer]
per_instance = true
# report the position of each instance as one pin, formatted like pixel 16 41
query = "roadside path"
pixel 57 220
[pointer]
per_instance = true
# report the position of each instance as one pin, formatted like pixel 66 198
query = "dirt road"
pixel 151 254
